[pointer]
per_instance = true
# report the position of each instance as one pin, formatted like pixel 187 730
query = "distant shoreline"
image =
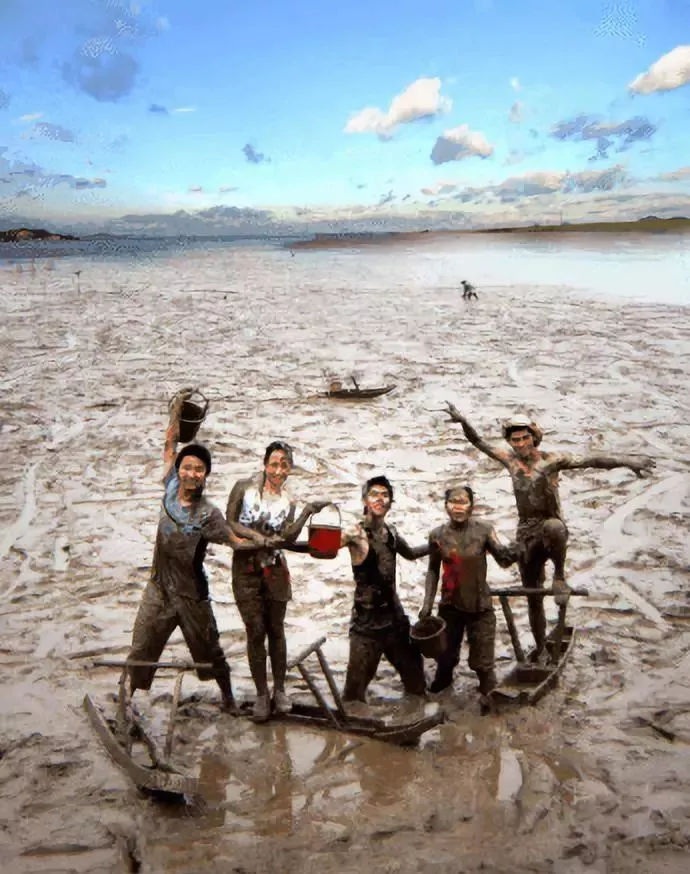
pixel 648 225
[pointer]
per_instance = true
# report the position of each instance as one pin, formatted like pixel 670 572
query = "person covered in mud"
pixel 541 533
pixel 379 626
pixel 458 551
pixel 177 593
pixel 468 291
pixel 262 505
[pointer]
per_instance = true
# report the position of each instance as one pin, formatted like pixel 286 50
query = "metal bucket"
pixel 324 540
pixel 192 415
pixel 430 636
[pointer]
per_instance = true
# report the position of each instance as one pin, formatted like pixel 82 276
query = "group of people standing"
pixel 261 522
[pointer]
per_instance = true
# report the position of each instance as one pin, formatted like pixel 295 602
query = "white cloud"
pixel 671 71
pixel 459 143
pixel 675 175
pixel 185 109
pixel 421 99
pixel 440 188
pixel 31 116
pixel 515 114
pixel 515 84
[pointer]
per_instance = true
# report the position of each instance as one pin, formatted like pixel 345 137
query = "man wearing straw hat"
pixel 541 534
pixel 379 625
pixel 177 592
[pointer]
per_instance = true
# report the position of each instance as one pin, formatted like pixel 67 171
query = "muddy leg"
pixel 407 660
pixel 255 625
pixel 198 624
pixel 555 543
pixel 532 576
pixel 277 647
pixel 365 655
pixel 445 664
pixel 155 622
pixel 481 636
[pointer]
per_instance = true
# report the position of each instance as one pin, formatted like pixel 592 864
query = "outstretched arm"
pixel 411 553
pixel 294 526
pixel 473 437
pixel 504 555
pixel 639 464
pixel 431 581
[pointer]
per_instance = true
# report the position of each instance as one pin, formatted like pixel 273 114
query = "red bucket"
pixel 324 540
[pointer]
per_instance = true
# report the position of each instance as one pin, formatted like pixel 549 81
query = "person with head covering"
pixel 379 626
pixel 262 506
pixel 541 534
pixel 458 554
pixel 177 593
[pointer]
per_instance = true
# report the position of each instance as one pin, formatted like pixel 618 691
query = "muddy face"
pixel 277 469
pixel 459 506
pixel 192 474
pixel 377 501
pixel 522 441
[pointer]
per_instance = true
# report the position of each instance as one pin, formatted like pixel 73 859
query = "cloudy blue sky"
pixel 175 115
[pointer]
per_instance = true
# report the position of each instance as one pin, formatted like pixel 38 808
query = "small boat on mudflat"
pixel 357 394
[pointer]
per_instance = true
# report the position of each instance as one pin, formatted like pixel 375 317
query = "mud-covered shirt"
pixel 376 605
pixel 181 541
pixel 463 552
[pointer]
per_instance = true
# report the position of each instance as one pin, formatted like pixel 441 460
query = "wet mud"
pixel 592 779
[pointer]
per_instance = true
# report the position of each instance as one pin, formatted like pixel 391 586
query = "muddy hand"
pixel 176 401
pixel 453 412
pixel 425 612
pixel 643 467
pixel 317 506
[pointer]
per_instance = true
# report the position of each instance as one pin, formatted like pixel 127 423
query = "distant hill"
pixel 648 224
pixel 18 234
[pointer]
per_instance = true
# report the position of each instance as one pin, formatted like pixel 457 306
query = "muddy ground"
pixel 593 779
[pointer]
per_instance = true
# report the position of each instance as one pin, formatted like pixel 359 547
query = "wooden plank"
pixel 147 778
pixel 510 622
pixel 521 590
pixel 316 692
pixel 167 750
pixel 306 652
pixel 130 663
pixel 325 667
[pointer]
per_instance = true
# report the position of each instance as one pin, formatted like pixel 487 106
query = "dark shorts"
pixel 156 620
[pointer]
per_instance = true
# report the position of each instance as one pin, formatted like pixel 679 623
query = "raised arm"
pixel 403 548
pixel 172 433
pixel 431 580
pixel 639 464
pixel 504 554
pixel 473 437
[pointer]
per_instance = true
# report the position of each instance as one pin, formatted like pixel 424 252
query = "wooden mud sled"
pixel 336 717
pixel 530 679
pixel 160 779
